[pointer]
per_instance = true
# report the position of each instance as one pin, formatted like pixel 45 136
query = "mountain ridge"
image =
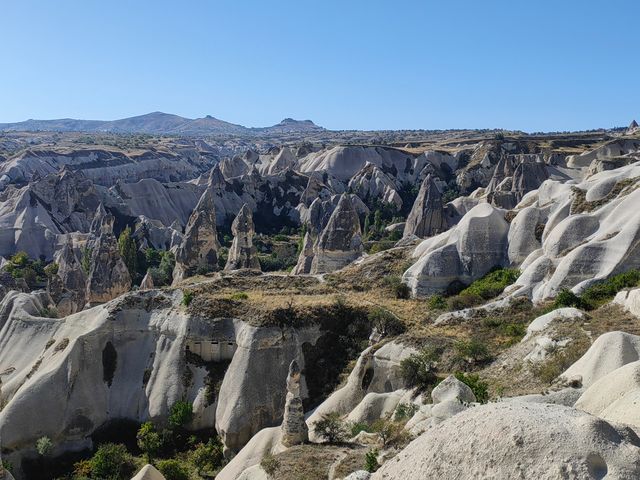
pixel 159 123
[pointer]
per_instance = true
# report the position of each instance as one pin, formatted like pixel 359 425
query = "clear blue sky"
pixel 530 65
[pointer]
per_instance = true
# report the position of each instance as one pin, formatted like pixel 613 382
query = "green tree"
pixel 85 261
pixel 207 457
pixel 173 470
pixel 112 461
pixel 181 414
pixel 367 225
pixel 149 440
pixel 128 251
pixel 371 461
pixel 330 427
pixel 20 259
pixel 377 221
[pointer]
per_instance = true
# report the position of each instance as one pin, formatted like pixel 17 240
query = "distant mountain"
pixel 159 123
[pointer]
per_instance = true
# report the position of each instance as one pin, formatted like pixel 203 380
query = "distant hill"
pixel 159 123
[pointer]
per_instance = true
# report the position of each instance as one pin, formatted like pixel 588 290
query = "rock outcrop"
pixel 67 287
pixel 243 253
pixel 372 185
pixel 464 253
pixel 340 243
pixel 294 428
pixel 108 276
pixel 528 440
pixel 427 217
pixel 199 247
pixel 148 472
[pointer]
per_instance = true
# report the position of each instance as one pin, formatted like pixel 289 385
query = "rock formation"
pixel 427 217
pixel 67 287
pixel 147 282
pixel 340 242
pixel 148 472
pixel 305 259
pixel 294 428
pixel 242 253
pixel 528 440
pixel 108 275
pixel 372 185
pixel 199 247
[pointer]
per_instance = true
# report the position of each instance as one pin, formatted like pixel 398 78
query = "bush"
pixel 381 246
pixel 44 446
pixel 187 297
pixel 492 284
pixel 437 302
pixel 207 457
pixel 566 298
pixel 85 261
pixel 51 269
pixel 472 380
pixel 385 322
pixel 419 370
pixel 270 464
pixel 173 470
pixel 181 414
pixel 371 461
pixel 239 296
pixel 472 351
pixel 597 294
pixel 330 428
pixel 400 290
pixel 404 411
pixel 464 300
pixel 112 461
pixel 356 427
pixel 149 441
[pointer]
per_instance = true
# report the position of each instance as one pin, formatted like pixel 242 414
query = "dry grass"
pixel 311 461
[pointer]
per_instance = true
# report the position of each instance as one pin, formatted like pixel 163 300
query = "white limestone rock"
pixel 518 440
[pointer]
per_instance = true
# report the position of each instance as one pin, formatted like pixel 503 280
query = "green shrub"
pixel 600 293
pixel 492 284
pixel 112 461
pixel 187 297
pixel 381 246
pixel 419 370
pixel 464 300
pixel 173 470
pixel 400 289
pixel 85 261
pixel 44 446
pixel 385 322
pixel 404 411
pixel 356 427
pixel 330 428
pixel 437 302
pixel 149 441
pixel 239 296
pixel 128 251
pixel 181 414
pixel 566 298
pixel 472 351
pixel 479 388
pixel 51 269
pixel 207 457
pixel 371 461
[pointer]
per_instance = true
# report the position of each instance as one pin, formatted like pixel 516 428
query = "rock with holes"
pixel 519 440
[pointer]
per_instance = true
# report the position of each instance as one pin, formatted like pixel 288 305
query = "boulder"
pixel 615 397
pixel 609 352
pixel 452 389
pixel 519 440
pixel 340 243
pixel 199 247
pixel 427 217
pixel 242 253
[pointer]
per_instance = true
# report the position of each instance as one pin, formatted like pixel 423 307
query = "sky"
pixel 533 65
